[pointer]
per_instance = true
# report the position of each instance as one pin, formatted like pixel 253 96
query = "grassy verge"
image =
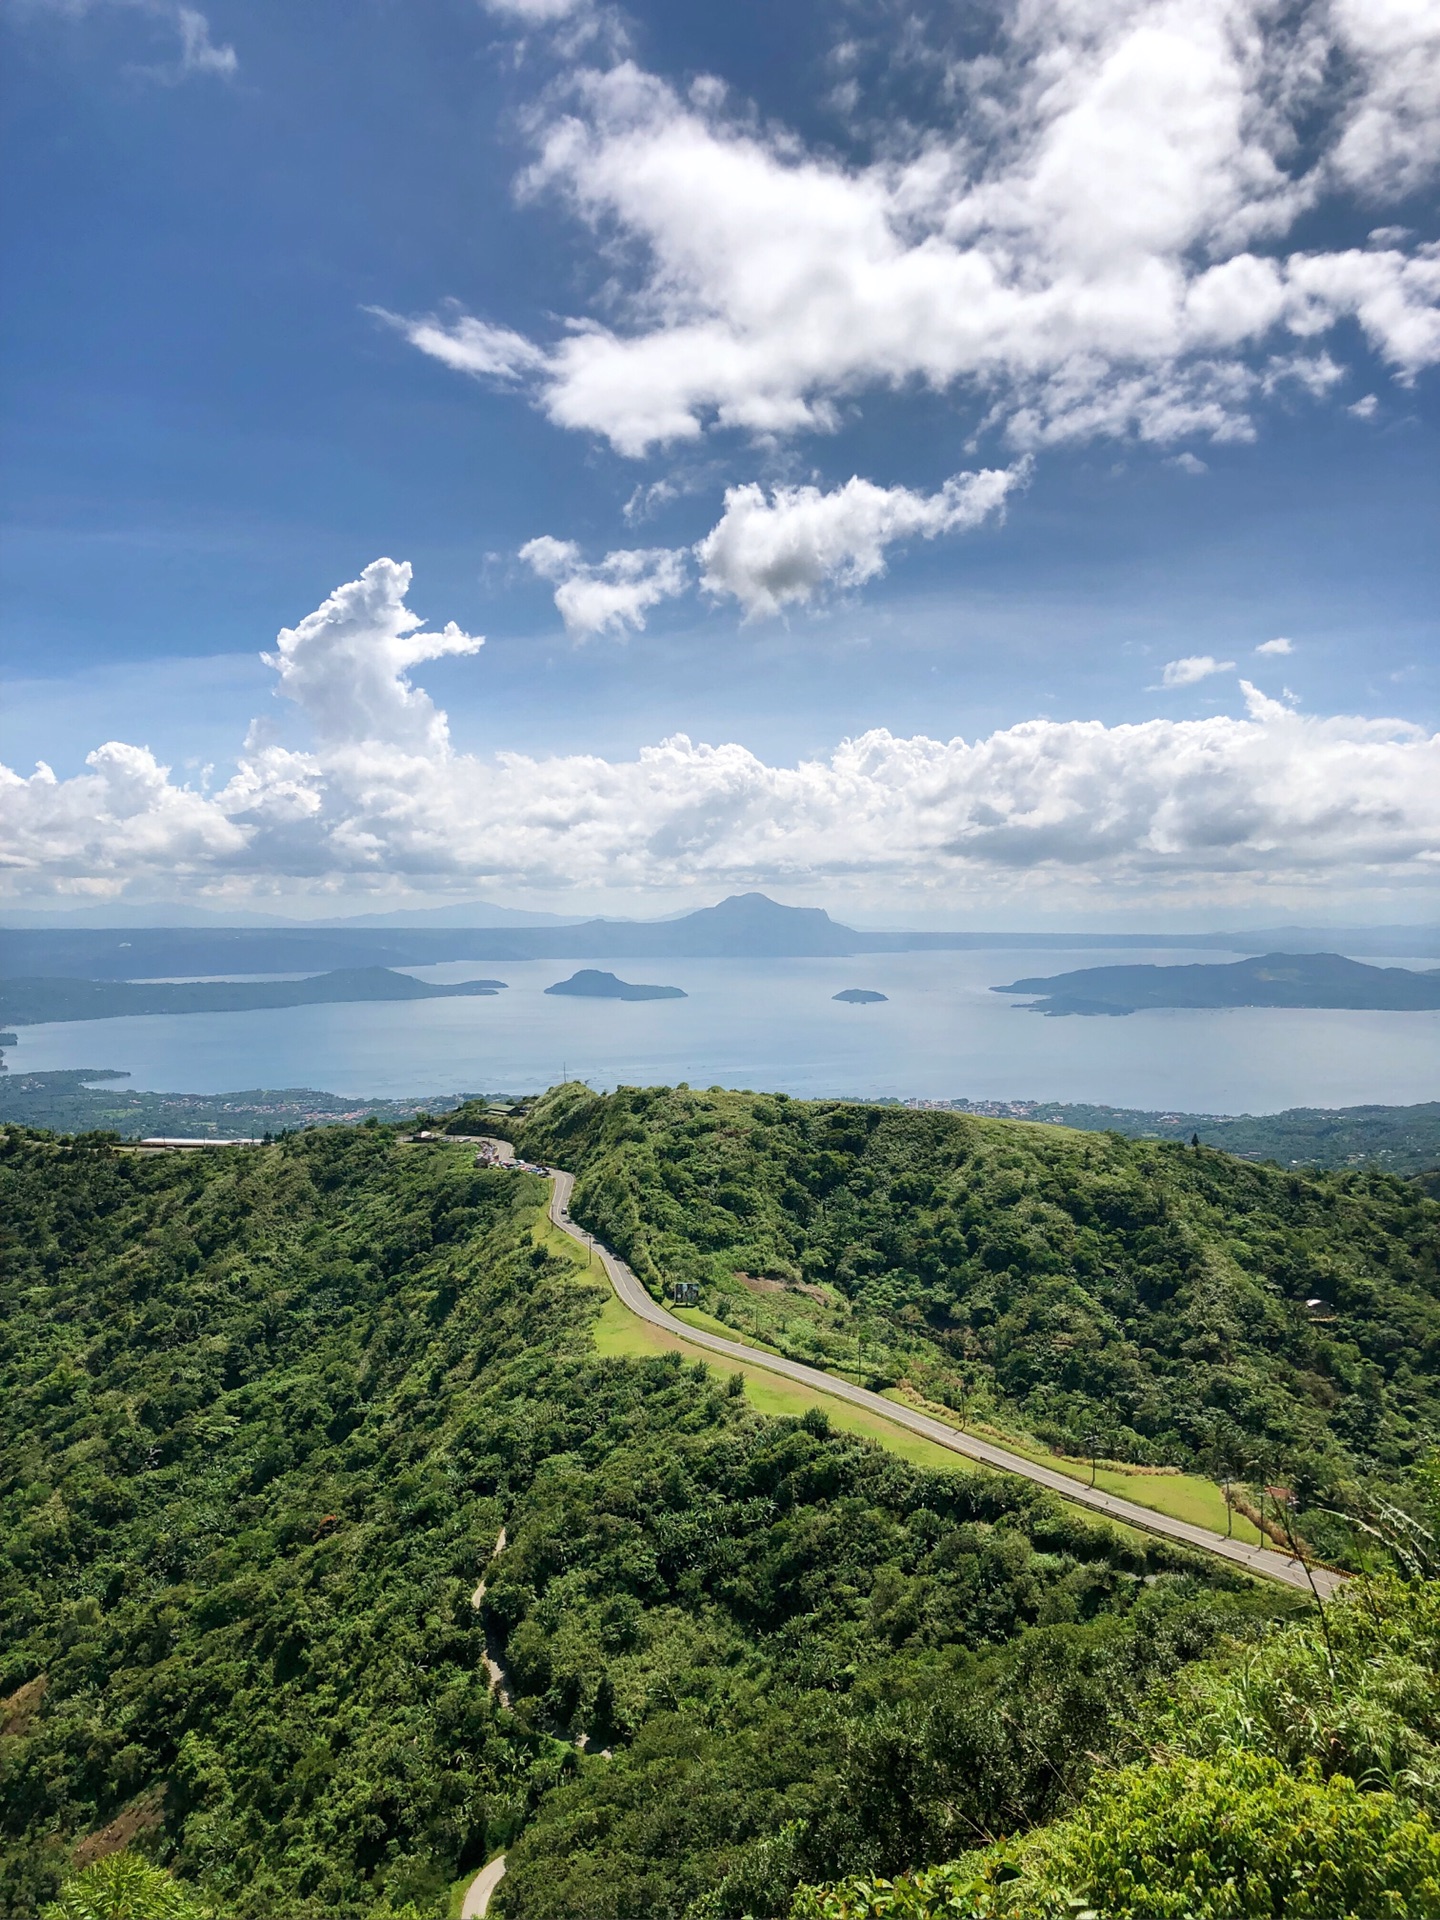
pixel 707 1322
pixel 1183 1496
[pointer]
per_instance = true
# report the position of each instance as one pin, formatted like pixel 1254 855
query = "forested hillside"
pixel 262 1416
pixel 1142 1299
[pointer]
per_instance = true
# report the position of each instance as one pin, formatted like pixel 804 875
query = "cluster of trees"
pixel 262 1416
pixel 1165 1304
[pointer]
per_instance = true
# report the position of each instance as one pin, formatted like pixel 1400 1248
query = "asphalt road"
pixel 477 1894
pixel 1266 1561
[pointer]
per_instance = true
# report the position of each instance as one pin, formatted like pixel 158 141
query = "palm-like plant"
pixel 124 1886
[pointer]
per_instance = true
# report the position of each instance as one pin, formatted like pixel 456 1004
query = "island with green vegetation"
pixel 591 984
pixel 1271 980
pixel 30 1002
pixel 352 1533
pixel 859 997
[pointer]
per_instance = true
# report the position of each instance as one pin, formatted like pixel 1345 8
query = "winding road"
pixel 1266 1561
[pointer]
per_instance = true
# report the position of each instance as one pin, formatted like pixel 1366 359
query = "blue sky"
pixel 297 288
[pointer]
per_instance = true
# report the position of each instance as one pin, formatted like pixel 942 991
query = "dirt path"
pixel 477 1894
pixel 1267 1561
pixel 494 1672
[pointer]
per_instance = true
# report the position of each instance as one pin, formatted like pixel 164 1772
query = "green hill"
pixel 1132 1297
pixel 264 1412
pixel 262 1415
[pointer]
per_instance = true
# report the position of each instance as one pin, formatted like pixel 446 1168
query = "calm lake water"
pixel 772 1024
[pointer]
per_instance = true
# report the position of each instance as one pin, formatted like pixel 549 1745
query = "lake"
pixel 772 1024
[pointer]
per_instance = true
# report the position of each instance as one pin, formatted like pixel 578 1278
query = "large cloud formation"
pixel 1266 796
pixel 1094 244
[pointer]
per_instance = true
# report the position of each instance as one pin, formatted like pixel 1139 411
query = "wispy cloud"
pixel 1278 645
pixel 197 53
pixel 1194 668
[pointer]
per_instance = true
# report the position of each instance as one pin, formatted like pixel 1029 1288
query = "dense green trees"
pixel 262 1415
pixel 1301 1782
pixel 123 1886
pixel 1139 1294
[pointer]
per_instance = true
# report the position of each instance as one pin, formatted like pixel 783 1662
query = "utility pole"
pixel 1093 1442
pixel 1229 1510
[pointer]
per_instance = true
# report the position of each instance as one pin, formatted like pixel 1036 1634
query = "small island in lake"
pixel 591 984
pixel 1270 980
pixel 859 997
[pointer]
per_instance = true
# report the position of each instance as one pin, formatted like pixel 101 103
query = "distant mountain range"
pixel 746 926
pixel 1271 980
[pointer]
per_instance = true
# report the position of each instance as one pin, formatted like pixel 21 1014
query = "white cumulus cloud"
pixel 615 593
pixel 1094 243
pixel 346 665
pixel 1194 668
pixel 1278 645
pixel 784 550
pixel 1267 796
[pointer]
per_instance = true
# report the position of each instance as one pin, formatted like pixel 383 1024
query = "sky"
pixel 961 465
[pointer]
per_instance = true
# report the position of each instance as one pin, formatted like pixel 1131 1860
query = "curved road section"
pixel 1267 1561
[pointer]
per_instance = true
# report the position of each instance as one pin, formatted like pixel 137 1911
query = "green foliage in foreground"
pixel 1074 1283
pixel 1299 1781
pixel 262 1415
pixel 1187 1840
pixel 124 1886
